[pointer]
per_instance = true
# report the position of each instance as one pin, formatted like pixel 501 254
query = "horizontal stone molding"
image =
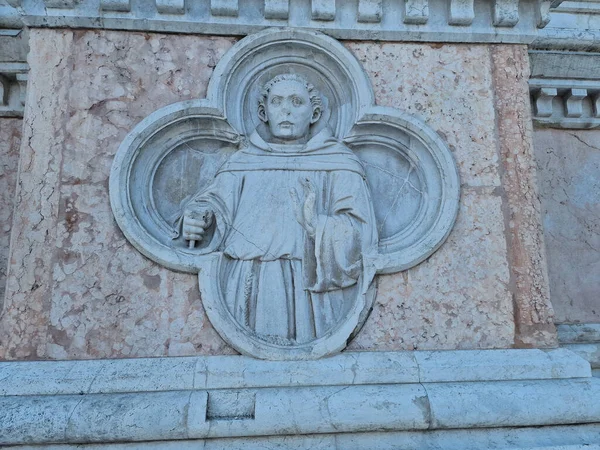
pixel 235 372
pixel 564 65
pixel 13 88
pixel 580 333
pixel 502 21
pixel 571 25
pixel 580 437
pixel 544 24
pixel 137 400
pixel 565 103
pixel 590 352
pixel 153 416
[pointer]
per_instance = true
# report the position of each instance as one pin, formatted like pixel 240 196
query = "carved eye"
pixel 297 101
pixel 276 101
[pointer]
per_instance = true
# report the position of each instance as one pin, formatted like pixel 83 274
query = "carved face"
pixel 289 112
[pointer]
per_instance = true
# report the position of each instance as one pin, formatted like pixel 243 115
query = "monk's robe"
pixel 278 281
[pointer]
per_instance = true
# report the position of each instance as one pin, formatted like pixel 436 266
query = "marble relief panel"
pixel 90 294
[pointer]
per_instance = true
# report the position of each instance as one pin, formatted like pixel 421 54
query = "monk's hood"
pixel 321 153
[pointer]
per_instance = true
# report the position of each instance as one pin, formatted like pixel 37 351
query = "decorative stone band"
pixel 566 437
pixel 234 396
pixel 573 25
pixel 13 85
pixel 583 339
pixel 566 103
pixel 505 21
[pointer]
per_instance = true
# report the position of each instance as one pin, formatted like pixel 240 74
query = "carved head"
pixel 289 105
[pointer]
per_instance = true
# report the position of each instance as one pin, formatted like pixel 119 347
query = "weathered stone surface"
pixel 569 183
pixel 581 437
pixel 458 298
pixel 27 301
pixel 118 408
pixel 77 289
pixel 19 378
pixel 526 252
pixel 10 141
pixel 450 87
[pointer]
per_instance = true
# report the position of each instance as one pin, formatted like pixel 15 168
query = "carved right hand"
pixel 195 223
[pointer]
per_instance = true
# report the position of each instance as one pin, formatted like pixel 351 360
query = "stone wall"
pixel 77 289
pixel 569 177
pixel 10 141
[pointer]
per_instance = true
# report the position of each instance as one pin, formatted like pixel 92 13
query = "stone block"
pixel 277 9
pixel 224 7
pixel 461 12
pixel 323 9
pixel 506 13
pixel 370 11
pixel 568 168
pixel 115 5
pixel 481 365
pixel 543 101
pixel 170 6
pixel 574 102
pixel 61 4
pixel 416 11
pixel 10 142
pixel 479 405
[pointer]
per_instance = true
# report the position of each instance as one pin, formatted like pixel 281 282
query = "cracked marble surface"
pixel 77 289
pixel 534 316
pixel 10 141
pixel 569 183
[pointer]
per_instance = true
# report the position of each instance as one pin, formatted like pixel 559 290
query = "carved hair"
pixel 313 93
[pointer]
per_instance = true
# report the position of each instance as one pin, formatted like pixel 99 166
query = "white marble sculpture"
pixel 293 217
pixel 286 191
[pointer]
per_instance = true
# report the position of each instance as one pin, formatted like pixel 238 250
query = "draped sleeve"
pixel 221 197
pixel 345 233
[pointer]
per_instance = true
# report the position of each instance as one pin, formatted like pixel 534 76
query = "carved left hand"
pixel 306 213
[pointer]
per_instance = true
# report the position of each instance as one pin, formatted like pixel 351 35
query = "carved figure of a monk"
pixel 291 213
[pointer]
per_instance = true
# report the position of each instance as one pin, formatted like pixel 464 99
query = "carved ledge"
pixel 171 399
pixel 506 21
pixel 571 25
pixel 565 103
pixel 13 87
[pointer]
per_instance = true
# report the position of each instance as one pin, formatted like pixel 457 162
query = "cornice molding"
pixel 497 21
pixel 565 89
pixel 13 86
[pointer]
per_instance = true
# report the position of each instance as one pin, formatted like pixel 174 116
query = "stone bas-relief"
pixel 284 229
pixel 102 298
pixel 291 213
